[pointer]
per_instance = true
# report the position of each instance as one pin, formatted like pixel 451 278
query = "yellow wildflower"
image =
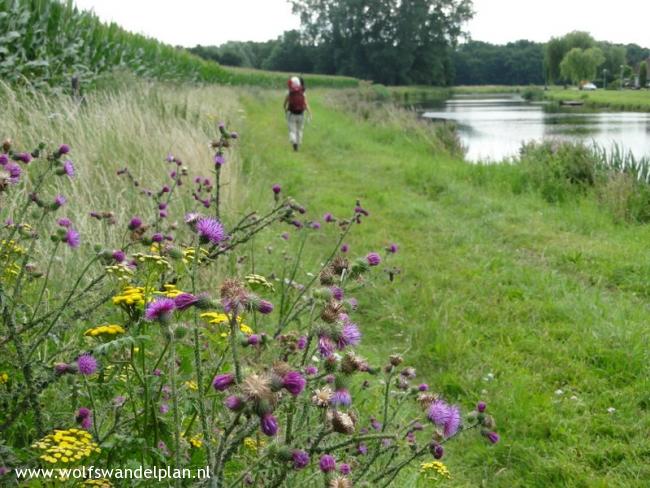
pixel 258 282
pixel 191 384
pixel 254 445
pixel 105 330
pixel 100 483
pixel 188 254
pixel 66 446
pixel 4 377
pixel 435 469
pixel 120 271
pixel 131 296
pixel 223 319
pixel 196 441
pixel 170 291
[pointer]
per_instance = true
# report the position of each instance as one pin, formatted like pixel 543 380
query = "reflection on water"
pixel 493 127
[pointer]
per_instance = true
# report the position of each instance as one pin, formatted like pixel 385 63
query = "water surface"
pixel 493 127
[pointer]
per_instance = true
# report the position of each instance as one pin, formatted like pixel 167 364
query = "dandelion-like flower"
pixel 210 230
pixel 86 364
pixel 160 309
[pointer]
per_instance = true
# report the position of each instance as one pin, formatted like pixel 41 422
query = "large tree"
pixel 389 41
pixel 643 74
pixel 581 64
pixel 557 48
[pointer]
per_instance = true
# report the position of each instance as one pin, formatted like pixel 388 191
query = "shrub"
pixel 177 348
pixel 557 169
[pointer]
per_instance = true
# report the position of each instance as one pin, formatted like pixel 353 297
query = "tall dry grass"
pixel 134 125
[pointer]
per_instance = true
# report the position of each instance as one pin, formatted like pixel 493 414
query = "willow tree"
pixel 581 64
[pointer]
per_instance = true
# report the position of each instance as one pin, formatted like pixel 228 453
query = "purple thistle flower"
pixel 276 188
pixel 294 382
pixel 438 413
pixel 297 224
pixel 345 469
pixel 222 382
pixel 453 422
pixel 119 401
pixel 285 236
pixel 350 335
pixel 337 293
pixel 375 424
pixel 64 149
pixel 160 309
pixel 354 303
pixel 14 172
pixel 341 397
pixel 135 223
pixel 362 449
pixel 157 237
pixel 327 463
pixel 493 437
pixel 423 387
pixel 373 259
pixel 86 364
pixel 392 248
pixel 481 406
pixel 210 230
pixel 157 372
pixel 24 157
pixel 269 424
pixel 234 403
pixel 86 423
pixel 315 225
pixel 302 342
pixel 3 159
pixel 118 255
pixel 253 340
pixel 64 222
pixel 328 217
pixel 59 201
pixel 164 408
pixel 345 248
pixel 163 214
pixel 72 238
pixel 311 370
pixel 326 346
pixel 264 307
pixel 4 470
pixel 68 168
pixel 185 300
pixel 300 459
pixel 219 160
pixel 330 379
pixel 63 368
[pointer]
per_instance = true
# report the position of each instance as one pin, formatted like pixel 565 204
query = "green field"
pixel 539 297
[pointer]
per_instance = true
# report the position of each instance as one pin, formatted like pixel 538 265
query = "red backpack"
pixel 297 103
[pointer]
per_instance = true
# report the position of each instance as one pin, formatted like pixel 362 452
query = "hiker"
pixel 295 106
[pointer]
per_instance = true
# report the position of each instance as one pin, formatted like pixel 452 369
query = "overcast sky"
pixel 191 22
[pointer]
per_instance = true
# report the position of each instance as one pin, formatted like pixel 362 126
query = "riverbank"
pixel 539 309
pixel 629 100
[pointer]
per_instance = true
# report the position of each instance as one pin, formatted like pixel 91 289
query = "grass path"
pixel 539 297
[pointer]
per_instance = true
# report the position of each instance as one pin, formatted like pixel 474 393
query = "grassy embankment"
pixel 502 297
pixel 634 100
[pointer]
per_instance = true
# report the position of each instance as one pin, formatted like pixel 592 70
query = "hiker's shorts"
pixel 296 124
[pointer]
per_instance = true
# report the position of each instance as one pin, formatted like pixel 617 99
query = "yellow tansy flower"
pixel 105 330
pixel 435 469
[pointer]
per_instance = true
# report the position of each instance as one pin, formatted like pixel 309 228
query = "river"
pixel 493 127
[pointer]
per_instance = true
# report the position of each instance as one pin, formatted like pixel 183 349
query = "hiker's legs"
pixel 296 123
pixel 300 125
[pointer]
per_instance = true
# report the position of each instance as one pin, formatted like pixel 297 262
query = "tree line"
pixel 416 43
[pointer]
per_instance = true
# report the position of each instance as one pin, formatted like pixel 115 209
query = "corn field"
pixel 46 42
